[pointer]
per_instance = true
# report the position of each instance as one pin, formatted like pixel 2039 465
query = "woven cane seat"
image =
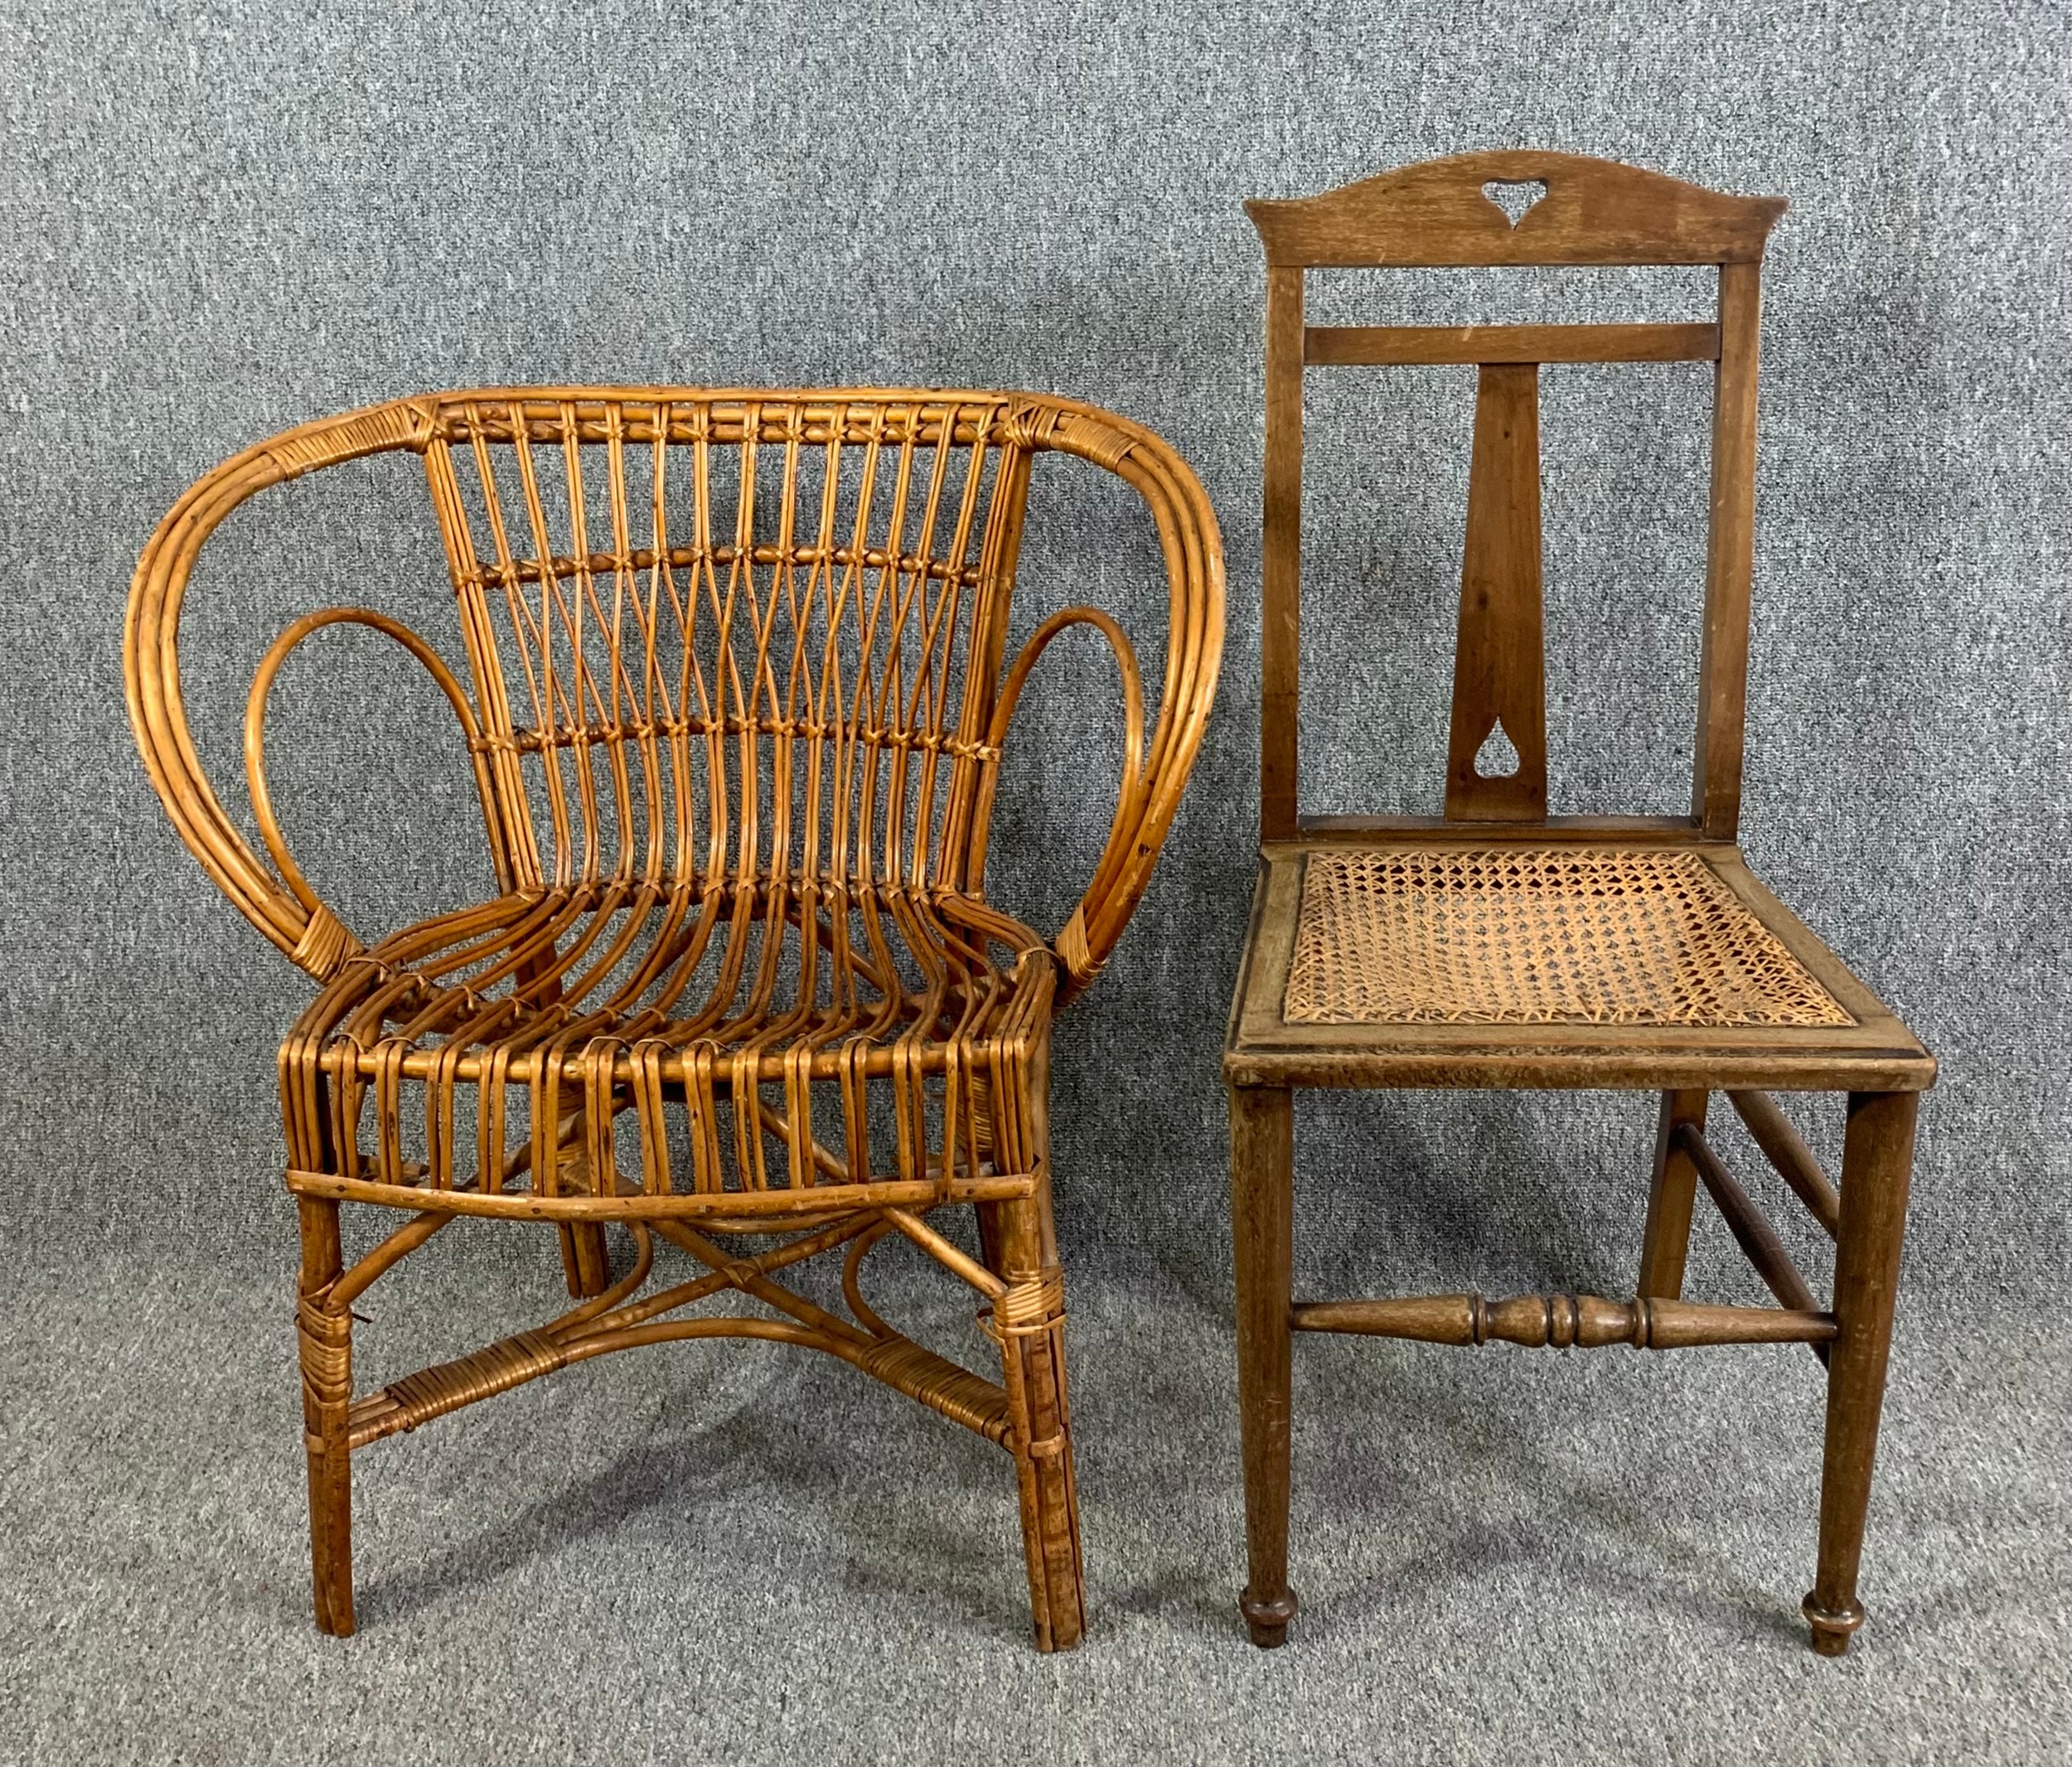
pixel 1448 935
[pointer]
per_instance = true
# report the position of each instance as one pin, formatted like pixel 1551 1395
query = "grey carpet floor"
pixel 744 1554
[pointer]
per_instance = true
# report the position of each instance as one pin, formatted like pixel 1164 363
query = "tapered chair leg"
pixel 1666 1241
pixel 1262 1230
pixel 324 1334
pixel 1877 1166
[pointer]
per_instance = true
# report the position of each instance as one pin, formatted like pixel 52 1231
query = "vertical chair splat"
pixel 1500 653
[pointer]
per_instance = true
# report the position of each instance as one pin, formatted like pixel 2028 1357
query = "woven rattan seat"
pixel 741 692
pixel 441 1003
pixel 1495 945
pixel 1516 935
pixel 445 994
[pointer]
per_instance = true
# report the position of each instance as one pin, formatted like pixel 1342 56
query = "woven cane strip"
pixel 1537 935
pixel 958 1394
pixel 327 1353
pixel 367 432
pixel 511 1362
pixel 325 944
pixel 1034 1304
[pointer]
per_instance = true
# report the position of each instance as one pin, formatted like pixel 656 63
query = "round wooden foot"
pixel 1267 1621
pixel 1832 1631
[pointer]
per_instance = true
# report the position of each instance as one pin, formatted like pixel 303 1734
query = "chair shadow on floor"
pixel 883 1536
pixel 1618 1546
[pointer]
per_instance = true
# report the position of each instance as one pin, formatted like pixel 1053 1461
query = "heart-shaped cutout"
pixel 1515 197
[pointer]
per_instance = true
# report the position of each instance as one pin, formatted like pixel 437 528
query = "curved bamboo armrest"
pixel 278 902
pixel 1153 774
pixel 291 873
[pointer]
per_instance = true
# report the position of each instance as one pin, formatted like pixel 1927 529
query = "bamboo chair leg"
pixel 584 1260
pixel 988 1217
pixel 1262 1227
pixel 1029 1320
pixel 325 1336
pixel 1666 1241
pixel 1018 1240
pixel 1876 1168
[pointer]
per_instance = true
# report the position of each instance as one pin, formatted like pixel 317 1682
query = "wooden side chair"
pixel 1498 946
pixel 738 695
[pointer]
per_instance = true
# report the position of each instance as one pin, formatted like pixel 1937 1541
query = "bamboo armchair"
pixel 1498 946
pixel 738 700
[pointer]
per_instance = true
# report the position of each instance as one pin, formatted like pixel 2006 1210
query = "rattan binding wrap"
pixel 1449 934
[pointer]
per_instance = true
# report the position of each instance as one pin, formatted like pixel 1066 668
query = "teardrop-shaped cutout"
pixel 1497 758
pixel 1515 198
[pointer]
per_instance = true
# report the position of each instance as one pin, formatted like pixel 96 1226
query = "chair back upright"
pixel 1446 214
pixel 741 646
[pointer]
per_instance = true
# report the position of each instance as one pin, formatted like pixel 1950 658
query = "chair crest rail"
pixel 1440 214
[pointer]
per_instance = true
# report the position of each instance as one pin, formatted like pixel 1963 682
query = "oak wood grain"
pixel 1262 1214
pixel 1730 560
pixel 1587 212
pixel 1280 558
pixel 1671 1191
pixel 1787 1151
pixel 1564 1321
pixel 1877 1163
pixel 1750 1226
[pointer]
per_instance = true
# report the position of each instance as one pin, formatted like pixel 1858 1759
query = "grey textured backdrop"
pixel 218 220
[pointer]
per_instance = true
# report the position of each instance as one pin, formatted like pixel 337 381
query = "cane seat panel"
pixel 1523 935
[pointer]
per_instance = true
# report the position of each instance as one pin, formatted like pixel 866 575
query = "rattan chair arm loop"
pixel 1192 550
pixel 325 943
pixel 151 668
pixel 1070 946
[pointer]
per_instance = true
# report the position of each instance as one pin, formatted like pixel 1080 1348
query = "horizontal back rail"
pixel 1393 346
pixel 1626 831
